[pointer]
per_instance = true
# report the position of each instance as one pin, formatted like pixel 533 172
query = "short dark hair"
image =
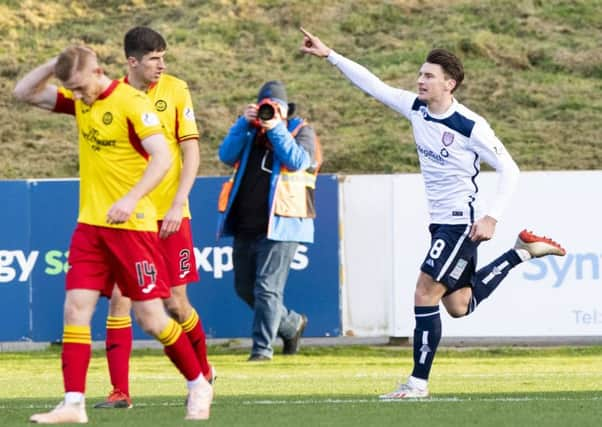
pixel 451 64
pixel 141 40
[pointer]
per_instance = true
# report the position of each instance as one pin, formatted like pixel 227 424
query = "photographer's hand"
pixel 313 45
pixel 273 122
pixel 250 113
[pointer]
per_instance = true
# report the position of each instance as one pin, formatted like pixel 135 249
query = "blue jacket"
pixel 288 153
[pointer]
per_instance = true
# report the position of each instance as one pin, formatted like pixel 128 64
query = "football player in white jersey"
pixel 451 142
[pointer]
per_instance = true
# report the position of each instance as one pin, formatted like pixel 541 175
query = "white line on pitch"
pixel 430 400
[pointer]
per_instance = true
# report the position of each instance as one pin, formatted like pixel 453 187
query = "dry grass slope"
pixel 534 70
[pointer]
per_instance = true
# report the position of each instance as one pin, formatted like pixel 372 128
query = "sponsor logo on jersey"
pixel 429 154
pixel 457 213
pixel 150 119
pixel 444 153
pixel 447 139
pixel 161 105
pixel 92 136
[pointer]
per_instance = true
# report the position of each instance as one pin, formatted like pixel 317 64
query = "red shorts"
pixel 178 254
pixel 99 257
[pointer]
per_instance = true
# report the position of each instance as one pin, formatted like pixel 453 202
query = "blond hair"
pixel 71 60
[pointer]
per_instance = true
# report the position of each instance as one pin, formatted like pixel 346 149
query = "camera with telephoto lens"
pixel 266 109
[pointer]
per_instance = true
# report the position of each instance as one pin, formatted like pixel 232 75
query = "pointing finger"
pixel 305 32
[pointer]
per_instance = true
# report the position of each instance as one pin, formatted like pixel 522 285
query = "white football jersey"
pixel 450 148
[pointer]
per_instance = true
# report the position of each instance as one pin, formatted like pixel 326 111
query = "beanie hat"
pixel 276 91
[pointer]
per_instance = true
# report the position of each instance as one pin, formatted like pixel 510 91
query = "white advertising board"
pixel 385 240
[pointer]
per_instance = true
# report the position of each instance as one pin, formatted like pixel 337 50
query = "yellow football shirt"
pixel 111 157
pixel 173 104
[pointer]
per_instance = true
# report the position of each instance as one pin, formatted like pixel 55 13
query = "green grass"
pixel 334 386
pixel 532 69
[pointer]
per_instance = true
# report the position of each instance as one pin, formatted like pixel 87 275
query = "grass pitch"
pixel 331 386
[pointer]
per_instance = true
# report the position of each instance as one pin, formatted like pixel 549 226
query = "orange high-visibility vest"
pixel 294 193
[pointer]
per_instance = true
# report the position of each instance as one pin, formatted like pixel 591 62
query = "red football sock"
pixel 118 346
pixel 179 350
pixel 196 334
pixel 77 350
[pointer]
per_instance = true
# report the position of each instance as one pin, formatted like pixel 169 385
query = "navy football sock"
pixel 427 335
pixel 489 277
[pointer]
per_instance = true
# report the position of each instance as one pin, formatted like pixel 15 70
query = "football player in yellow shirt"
pixel 123 155
pixel 145 50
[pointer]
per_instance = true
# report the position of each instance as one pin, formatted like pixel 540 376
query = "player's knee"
pixel 456 305
pixel 119 306
pixel 176 309
pixel 78 310
pixel 456 312
pixel 426 297
pixel 151 316
pixel 72 314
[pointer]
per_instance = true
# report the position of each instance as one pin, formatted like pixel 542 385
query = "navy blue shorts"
pixel 452 257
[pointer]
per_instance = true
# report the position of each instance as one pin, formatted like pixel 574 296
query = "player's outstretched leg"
pixel 537 246
pixel 528 245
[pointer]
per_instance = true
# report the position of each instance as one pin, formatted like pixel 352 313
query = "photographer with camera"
pixel 268 206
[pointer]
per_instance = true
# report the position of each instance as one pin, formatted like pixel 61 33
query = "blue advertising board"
pixel 16 261
pixel 34 250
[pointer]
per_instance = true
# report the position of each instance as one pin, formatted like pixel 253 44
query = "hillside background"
pixel 533 69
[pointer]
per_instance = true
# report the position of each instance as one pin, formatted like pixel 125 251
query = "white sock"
pixel 199 379
pixel 418 383
pixel 523 254
pixel 73 397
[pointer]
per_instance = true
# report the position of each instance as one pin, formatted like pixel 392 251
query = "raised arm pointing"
pixel 312 45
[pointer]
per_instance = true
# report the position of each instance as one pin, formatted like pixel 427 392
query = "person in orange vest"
pixel 268 207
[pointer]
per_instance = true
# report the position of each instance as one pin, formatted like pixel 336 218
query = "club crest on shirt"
pixel 107 118
pixel 447 139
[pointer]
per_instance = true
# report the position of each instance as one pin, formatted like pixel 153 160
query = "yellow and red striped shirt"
pixel 111 157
